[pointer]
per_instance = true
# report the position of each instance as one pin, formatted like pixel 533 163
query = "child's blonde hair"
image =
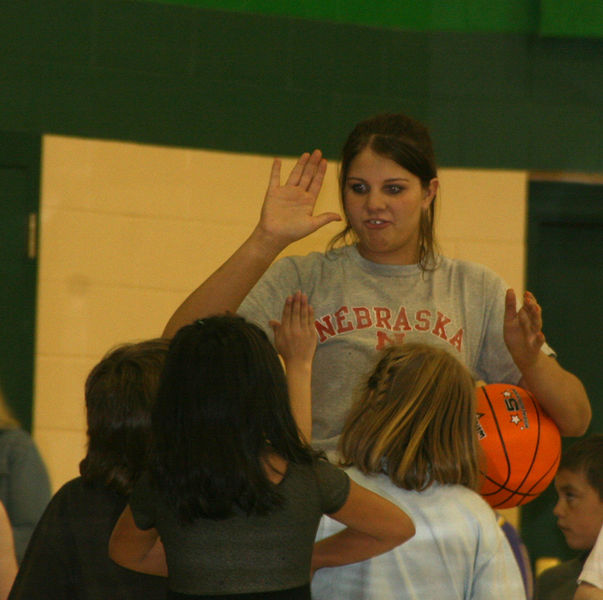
pixel 415 420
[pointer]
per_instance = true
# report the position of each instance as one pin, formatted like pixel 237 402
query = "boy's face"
pixel 579 510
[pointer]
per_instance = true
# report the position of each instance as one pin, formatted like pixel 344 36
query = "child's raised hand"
pixel 295 335
pixel 295 339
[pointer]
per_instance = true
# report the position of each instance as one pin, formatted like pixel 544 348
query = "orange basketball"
pixel 521 445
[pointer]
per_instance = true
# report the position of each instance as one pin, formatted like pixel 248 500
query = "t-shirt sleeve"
pixel 334 486
pixel 266 299
pixel 592 572
pixel 143 503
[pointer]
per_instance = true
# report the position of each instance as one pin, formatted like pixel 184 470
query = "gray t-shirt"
pixel 361 306
pixel 245 553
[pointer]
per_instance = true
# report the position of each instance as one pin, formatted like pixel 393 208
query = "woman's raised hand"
pixel 522 329
pixel 287 212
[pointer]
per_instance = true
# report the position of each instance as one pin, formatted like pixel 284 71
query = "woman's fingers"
pixel 275 174
pixel 316 183
pixel 298 169
pixel 308 172
pixel 311 169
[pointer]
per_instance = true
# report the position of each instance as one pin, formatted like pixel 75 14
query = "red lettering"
pixel 402 321
pixel 457 339
pixel 383 316
pixel 423 322
pixel 363 317
pixel 342 324
pixel 326 330
pixel 384 340
pixel 439 326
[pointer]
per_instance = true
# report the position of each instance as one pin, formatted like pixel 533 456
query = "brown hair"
pixel 415 420
pixel 586 456
pixel 408 143
pixel 120 393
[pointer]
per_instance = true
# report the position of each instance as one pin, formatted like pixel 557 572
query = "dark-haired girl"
pixel 382 280
pixel 235 493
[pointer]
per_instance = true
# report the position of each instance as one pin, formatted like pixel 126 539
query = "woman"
pixel 387 284
pixel 235 494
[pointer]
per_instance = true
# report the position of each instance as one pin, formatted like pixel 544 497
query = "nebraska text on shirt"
pixel 391 326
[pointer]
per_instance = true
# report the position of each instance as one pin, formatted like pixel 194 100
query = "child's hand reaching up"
pixel 295 336
pixel 295 339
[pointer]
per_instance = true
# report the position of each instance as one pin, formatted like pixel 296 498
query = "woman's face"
pixel 383 202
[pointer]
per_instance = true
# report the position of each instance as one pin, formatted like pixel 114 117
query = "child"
pixel 67 556
pixel 579 512
pixel 234 491
pixel 411 438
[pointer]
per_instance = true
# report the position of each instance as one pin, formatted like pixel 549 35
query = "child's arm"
pixel 374 526
pixel 295 339
pixel 137 549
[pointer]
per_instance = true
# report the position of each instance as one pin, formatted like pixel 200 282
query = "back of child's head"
pixel 586 456
pixel 120 392
pixel 415 420
pixel 222 407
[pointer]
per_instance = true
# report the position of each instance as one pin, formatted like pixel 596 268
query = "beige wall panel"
pixel 505 258
pixel 103 176
pixel 483 205
pixel 60 402
pixel 128 230
pixel 88 320
pixel 62 451
pixel 139 252
pixel 134 179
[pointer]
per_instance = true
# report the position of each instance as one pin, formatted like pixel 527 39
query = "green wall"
pixel 409 15
pixel 182 75
pixel 574 18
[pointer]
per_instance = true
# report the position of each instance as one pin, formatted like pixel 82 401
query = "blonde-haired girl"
pixel 411 437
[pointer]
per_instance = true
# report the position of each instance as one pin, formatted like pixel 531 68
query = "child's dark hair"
pixel 222 408
pixel 120 392
pixel 586 456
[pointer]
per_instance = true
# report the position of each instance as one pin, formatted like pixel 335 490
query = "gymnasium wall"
pixel 128 230
pixel 158 119
pixel 187 76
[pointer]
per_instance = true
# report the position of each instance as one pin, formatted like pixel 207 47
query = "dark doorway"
pixel 19 201
pixel 565 272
